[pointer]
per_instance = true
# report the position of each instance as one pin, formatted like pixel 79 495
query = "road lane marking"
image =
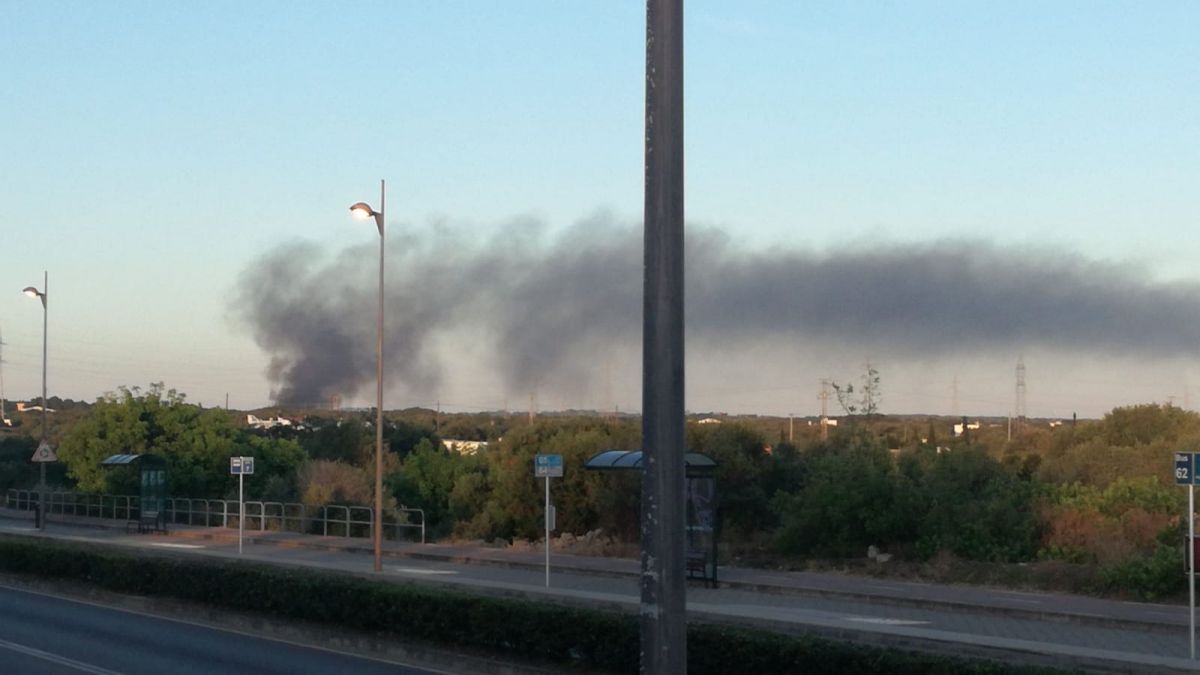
pixel 55 658
pixel 886 621
pixel 166 545
pixel 418 570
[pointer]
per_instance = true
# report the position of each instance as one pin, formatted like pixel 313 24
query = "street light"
pixel 363 211
pixel 33 292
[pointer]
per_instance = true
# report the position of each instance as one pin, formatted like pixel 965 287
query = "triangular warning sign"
pixel 44 453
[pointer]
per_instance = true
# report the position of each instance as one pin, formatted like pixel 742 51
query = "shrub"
pixel 1149 577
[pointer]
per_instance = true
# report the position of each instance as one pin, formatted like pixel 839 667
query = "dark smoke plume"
pixel 549 303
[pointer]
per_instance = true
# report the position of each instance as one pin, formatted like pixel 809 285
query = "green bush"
pixel 1161 574
pixel 973 506
pixel 848 501
pixel 517 628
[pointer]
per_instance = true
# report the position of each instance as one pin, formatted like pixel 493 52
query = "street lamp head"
pixel 32 292
pixel 362 211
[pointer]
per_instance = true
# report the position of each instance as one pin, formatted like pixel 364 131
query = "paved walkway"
pixel 1051 629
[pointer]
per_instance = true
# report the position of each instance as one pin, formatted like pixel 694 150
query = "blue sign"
pixel 1185 468
pixel 548 466
pixel 241 466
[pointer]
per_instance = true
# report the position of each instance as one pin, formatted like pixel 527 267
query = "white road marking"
pixel 418 570
pixel 166 545
pixel 885 621
pixel 55 658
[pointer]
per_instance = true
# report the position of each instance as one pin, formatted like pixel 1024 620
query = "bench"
pixel 147 521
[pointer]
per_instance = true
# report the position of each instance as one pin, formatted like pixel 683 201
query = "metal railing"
pixel 328 520
pixel 75 504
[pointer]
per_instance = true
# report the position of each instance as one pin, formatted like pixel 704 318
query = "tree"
pixel 867 402
pixel 742 467
pixel 849 500
pixel 197 443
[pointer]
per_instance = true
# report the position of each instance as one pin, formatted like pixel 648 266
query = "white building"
pixel 464 447
pixel 270 423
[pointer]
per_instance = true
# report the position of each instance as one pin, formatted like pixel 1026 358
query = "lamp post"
pixel 33 292
pixel 363 211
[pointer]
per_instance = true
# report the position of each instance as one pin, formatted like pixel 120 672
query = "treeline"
pixel 1096 494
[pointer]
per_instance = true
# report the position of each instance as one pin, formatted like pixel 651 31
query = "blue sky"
pixel 151 151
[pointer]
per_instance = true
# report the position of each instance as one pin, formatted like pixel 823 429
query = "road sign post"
pixel 548 466
pixel 44 454
pixel 1185 474
pixel 241 466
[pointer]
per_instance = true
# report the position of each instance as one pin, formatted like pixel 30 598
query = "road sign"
pixel 548 466
pixel 1185 468
pixel 44 453
pixel 241 466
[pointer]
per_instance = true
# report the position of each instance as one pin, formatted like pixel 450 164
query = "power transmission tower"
pixel 1020 413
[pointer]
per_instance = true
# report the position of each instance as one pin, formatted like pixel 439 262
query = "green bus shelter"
pixel 152 497
pixel 701 525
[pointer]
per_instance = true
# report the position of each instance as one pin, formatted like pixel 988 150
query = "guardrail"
pixel 329 520
pixel 75 504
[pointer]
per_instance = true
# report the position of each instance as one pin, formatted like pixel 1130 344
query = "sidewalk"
pixel 1043 606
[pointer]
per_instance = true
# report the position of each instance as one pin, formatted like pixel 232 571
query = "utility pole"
pixel 791 428
pixel 824 396
pixel 663 620
pixel 1020 414
pixel 3 416
pixel 954 403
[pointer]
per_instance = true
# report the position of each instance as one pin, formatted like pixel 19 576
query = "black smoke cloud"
pixel 550 303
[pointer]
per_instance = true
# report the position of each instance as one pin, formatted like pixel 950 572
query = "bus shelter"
pixel 701 486
pixel 152 494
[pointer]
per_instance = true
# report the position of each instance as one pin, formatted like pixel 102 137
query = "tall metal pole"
pixel 663 589
pixel 45 421
pixel 379 221
pixel 1191 557
pixel 241 503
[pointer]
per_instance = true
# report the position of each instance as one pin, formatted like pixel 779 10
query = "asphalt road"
pixel 43 634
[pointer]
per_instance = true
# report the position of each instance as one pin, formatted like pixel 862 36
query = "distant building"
pixel 971 426
pixel 464 447
pixel 709 420
pixel 270 423
pixel 21 407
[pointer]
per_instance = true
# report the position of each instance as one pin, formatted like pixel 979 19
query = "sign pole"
pixel 1192 563
pixel 241 510
pixel 548 466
